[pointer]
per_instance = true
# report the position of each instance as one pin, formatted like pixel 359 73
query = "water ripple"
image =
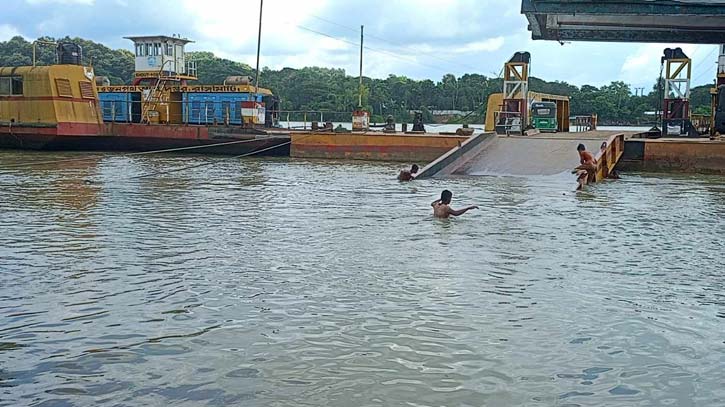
pixel 294 282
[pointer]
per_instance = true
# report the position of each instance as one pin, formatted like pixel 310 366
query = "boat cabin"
pixel 52 97
pixel 159 92
pixel 161 55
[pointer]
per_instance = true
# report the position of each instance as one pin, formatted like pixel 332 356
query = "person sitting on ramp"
pixel 587 170
pixel 442 209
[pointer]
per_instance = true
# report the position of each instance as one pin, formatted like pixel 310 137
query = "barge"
pixel 65 106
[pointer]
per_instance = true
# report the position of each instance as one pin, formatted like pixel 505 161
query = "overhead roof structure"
pixel 673 21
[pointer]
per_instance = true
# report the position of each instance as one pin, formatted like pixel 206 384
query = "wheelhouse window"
pixel 147 49
pixel 11 86
pixel 169 49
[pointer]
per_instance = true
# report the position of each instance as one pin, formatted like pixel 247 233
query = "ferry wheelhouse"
pixel 160 91
pixel 40 103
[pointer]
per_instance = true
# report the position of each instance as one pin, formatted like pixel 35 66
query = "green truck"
pixel 543 116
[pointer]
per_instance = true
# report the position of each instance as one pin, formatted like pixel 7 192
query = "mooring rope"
pixel 167 150
pixel 151 174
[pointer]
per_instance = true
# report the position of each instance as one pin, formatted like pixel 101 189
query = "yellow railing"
pixel 609 155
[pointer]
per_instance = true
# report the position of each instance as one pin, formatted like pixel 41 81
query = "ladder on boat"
pixel 155 95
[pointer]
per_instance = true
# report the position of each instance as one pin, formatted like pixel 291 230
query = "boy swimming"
pixel 408 175
pixel 442 209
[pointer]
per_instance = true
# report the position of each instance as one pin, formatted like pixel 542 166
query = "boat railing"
pixel 214 113
pixel 609 154
pixel 584 123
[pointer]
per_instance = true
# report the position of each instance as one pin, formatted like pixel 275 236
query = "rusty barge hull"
pixel 140 137
pixel 674 155
pixel 398 147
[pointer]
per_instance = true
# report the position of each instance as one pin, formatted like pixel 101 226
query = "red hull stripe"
pixel 62 129
pixel 115 130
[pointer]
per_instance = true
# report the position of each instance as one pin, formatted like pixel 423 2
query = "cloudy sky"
pixel 416 38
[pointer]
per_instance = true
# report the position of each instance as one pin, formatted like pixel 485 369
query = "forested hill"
pixel 325 89
pixel 116 64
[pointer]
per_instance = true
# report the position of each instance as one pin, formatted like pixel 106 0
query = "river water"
pixel 281 282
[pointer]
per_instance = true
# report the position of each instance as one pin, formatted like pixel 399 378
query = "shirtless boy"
pixel 587 167
pixel 442 209
pixel 408 175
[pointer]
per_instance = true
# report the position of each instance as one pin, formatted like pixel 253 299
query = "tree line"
pixel 315 89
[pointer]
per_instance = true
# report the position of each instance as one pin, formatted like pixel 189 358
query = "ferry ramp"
pixel 527 156
pixel 552 155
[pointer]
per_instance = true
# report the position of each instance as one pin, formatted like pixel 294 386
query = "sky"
pixel 420 39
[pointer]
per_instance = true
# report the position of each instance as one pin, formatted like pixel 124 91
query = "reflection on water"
pixel 289 282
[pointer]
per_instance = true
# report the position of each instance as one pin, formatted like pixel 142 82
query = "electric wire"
pixel 700 76
pixel 379 51
pixel 700 64
pixel 397 45
pixel 712 51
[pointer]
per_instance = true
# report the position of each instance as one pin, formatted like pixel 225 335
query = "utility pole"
pixel 259 44
pixel 360 89
pixel 455 97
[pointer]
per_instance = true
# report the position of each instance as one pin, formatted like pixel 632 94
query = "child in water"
pixel 442 209
pixel 408 175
